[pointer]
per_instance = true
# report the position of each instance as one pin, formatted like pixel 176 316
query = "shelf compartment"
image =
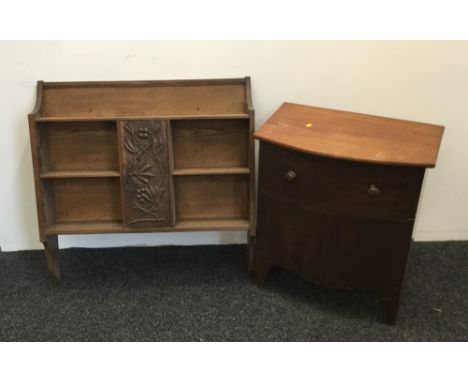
pixel 215 143
pixel 211 171
pixel 78 146
pixel 82 200
pixel 211 197
pixel 79 174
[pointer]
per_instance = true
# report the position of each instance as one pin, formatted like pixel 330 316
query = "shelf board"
pixel 136 117
pixel 211 171
pixel 71 228
pixel 212 224
pixel 79 174
pixel 116 226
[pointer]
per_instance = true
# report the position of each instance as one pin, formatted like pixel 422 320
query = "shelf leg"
pixel 51 249
pixel 250 254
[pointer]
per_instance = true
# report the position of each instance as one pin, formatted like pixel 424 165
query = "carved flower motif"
pixel 140 194
pixel 143 133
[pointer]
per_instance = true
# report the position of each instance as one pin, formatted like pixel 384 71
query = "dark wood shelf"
pixel 211 171
pixel 79 174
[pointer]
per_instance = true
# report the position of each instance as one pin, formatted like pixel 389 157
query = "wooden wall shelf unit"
pixel 143 156
pixel 337 197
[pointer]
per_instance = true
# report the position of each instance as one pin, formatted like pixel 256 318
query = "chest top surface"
pixel 353 136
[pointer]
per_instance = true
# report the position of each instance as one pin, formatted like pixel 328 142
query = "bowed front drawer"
pixel 332 186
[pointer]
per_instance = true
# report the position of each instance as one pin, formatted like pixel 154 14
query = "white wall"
pixel 422 81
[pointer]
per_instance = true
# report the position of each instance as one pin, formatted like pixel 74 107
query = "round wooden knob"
pixel 373 191
pixel 290 176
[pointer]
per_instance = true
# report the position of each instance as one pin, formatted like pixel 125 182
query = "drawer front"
pixel 335 186
pixel 146 184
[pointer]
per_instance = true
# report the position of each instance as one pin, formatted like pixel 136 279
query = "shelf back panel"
pixel 85 200
pixel 116 101
pixel 79 146
pixel 212 197
pixel 210 143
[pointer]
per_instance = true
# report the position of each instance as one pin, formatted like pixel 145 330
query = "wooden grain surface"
pixel 353 136
pixel 84 200
pixel 79 174
pixel 116 226
pixel 210 143
pixel 332 186
pixel 146 189
pixel 78 156
pixel 135 101
pixel 211 171
pixel 212 196
pixel 79 146
pixel 325 226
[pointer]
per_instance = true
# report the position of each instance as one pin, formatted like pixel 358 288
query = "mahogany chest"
pixel 337 197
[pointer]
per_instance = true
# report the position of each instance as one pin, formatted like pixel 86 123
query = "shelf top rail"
pixel 97 100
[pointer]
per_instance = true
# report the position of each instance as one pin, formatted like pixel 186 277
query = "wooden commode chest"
pixel 337 197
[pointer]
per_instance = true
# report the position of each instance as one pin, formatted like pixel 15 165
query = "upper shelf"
pixel 211 171
pixel 121 118
pixel 64 101
pixel 353 136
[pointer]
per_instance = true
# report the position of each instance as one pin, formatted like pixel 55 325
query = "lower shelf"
pixel 79 174
pixel 116 226
pixel 212 225
pixel 85 227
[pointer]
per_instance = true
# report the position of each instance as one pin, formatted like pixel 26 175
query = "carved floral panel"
pixel 146 185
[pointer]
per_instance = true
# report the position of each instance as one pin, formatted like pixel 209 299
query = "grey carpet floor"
pixel 203 293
